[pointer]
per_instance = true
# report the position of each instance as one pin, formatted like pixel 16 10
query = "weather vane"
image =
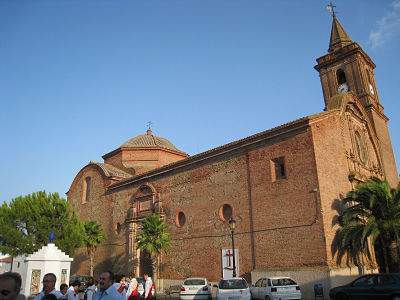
pixel 331 9
pixel 149 124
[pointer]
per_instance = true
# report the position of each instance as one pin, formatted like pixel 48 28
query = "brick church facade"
pixel 281 185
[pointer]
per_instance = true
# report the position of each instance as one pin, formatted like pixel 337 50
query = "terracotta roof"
pixel 339 37
pixel 7 260
pixel 276 131
pixel 111 171
pixel 149 140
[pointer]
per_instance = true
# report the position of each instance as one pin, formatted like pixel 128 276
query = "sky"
pixel 79 78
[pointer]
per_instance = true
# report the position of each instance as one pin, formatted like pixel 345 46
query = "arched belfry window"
pixel 341 77
pixel 370 82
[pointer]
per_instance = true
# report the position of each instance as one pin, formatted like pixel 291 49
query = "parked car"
pixel 173 289
pixel 275 288
pixel 233 289
pixel 372 286
pixel 194 289
pixel 83 279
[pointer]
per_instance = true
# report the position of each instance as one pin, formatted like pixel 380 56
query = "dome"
pixel 149 140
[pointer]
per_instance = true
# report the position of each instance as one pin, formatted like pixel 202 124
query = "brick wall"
pixel 333 142
pixel 284 224
pixel 285 213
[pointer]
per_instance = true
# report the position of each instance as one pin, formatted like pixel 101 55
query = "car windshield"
pixel 194 281
pixel 283 282
pixel 231 284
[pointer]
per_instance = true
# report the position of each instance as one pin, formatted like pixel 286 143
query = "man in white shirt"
pixel 90 290
pixel 73 291
pixel 148 287
pixel 49 283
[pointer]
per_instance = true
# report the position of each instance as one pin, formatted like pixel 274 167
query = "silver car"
pixel 233 289
pixel 275 288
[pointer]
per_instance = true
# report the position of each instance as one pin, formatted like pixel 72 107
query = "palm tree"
pixel 154 239
pixel 93 237
pixel 371 217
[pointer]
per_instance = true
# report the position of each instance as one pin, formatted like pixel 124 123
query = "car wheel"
pixel 396 297
pixel 341 296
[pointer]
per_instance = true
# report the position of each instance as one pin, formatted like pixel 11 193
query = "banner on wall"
pixel 227 262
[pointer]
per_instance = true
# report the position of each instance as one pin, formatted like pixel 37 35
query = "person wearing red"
pixel 133 290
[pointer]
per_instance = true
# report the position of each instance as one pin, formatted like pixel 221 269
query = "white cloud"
pixel 388 27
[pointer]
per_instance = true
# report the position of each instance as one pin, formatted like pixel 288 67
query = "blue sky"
pixel 78 78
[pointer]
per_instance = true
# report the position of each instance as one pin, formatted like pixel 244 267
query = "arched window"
pixel 86 189
pixel 370 82
pixel 341 77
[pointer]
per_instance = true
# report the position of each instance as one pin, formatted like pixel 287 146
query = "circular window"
pixel 180 219
pixel 225 212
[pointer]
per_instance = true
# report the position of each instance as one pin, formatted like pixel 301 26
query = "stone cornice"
pixel 120 149
pixel 330 58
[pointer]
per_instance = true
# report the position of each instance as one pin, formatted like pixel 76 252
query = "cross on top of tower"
pixel 331 9
pixel 148 131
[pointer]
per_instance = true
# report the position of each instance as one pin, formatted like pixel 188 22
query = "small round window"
pixel 180 219
pixel 225 212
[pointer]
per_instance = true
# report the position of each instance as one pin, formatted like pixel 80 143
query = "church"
pixel 279 185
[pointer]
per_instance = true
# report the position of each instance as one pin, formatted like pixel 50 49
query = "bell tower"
pixel 347 68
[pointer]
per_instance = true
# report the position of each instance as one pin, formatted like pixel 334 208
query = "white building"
pixel 5 263
pixel 48 259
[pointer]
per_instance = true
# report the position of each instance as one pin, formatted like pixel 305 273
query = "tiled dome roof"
pixel 149 140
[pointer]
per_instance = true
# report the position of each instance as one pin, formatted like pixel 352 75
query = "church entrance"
pixel 145 264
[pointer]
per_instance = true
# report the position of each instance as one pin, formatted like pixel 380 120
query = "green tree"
pixel 93 237
pixel 371 217
pixel 154 239
pixel 25 224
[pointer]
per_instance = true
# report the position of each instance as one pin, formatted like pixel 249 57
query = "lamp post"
pixel 232 224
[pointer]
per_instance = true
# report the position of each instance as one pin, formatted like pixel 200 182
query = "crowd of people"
pixel 108 287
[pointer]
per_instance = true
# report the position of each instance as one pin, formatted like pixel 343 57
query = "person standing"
pixel 64 290
pixel 90 290
pixel 120 284
pixel 73 291
pixel 10 286
pixel 148 287
pixel 133 290
pixel 107 290
pixel 49 284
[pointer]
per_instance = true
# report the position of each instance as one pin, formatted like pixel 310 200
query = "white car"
pixel 195 289
pixel 275 288
pixel 233 289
